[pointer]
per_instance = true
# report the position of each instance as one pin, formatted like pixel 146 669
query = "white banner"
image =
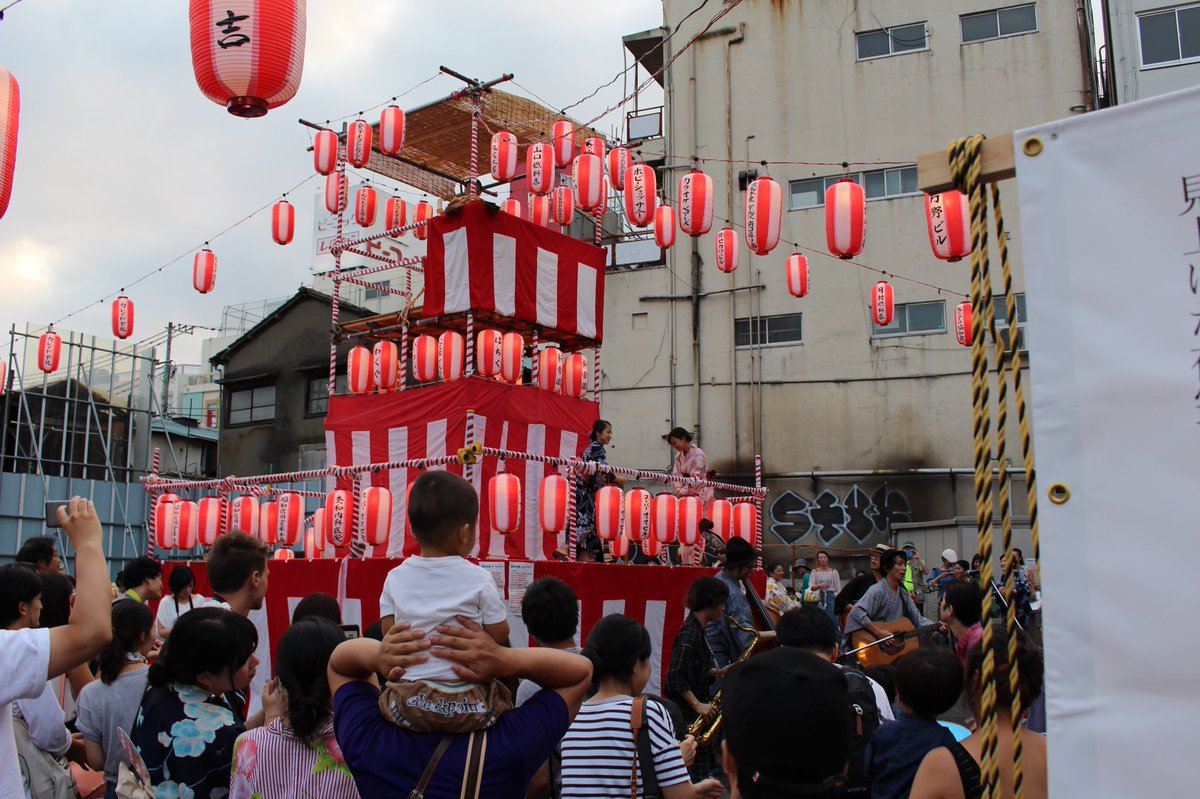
pixel 1110 214
pixel 325 231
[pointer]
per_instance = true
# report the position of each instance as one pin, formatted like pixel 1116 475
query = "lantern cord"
pixel 437 74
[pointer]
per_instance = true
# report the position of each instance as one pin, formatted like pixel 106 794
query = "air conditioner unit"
pixel 1020 339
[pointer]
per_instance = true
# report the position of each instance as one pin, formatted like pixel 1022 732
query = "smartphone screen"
pixel 52 511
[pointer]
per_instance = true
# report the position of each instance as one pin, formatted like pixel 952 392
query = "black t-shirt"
pixel 852 592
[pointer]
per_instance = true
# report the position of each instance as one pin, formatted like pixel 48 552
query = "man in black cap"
pixel 725 640
pixel 769 692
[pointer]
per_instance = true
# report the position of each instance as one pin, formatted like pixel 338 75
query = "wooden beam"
pixel 999 163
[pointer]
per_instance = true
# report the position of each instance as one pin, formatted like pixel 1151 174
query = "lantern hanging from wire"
pixel 619 160
pixel 289 509
pixel 550 369
pixel 512 207
pixel 797 275
pixel 314 536
pixel 122 317
pixel 10 116
pixel 359 368
pixel 336 188
pixel 164 521
pixel 364 206
pixel 564 142
pixel 339 517
pixel 663 511
pixel 574 375
pixel 764 214
pixel 963 320
pixel 268 521
pixel 243 515
pixel 588 175
pixel 385 372
pixel 539 168
pixel 745 522
pixel 948 219
pixel 204 271
pixel 395 214
pixel 451 347
pixel 695 203
pixel 422 213
pixel 541 210
pixel 358 143
pixel 210 517
pixel 727 248
pixel 637 514
pixel 552 503
pixel 504 156
pixel 664 226
pixel 391 130
pixel 845 219
pixel 504 502
pixel 883 305
pixel 185 524
pixel 687 519
pixel 425 359
pixel 609 513
pixel 283 222
pixel 512 357
pixel 720 513
pixel 325 152
pixel 488 351
pixel 641 194
pixel 564 205
pixel 49 348
pixel 377 515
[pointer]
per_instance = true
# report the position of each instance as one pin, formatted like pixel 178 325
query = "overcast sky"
pixel 122 164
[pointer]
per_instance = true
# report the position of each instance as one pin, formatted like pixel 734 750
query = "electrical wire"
pixel 392 99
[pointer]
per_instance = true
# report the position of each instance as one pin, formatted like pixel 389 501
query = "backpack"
pixel 864 720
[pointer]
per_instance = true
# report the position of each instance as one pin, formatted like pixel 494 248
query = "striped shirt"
pixel 271 762
pixel 598 750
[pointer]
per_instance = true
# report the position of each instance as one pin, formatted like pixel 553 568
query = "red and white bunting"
pixel 552 503
pixel 564 142
pixel 845 219
pixel 425 359
pixel 664 226
pixel 488 348
pixel 204 271
pixel 610 511
pixel 539 168
pixel 359 368
pixel 164 521
pixel 564 205
pixel 504 155
pixel 122 317
pixel 948 219
pixel 283 222
pixel 637 514
pixel 243 515
pixel 10 115
pixel 325 152
pixel 504 502
pixel 422 213
pixel 688 517
pixel 364 206
pixel 336 188
pixel 764 214
pixel 745 522
pixel 541 210
pixel 883 305
pixel 963 331
pixel 619 160
pixel 797 275
pixel 727 249
pixel 339 517
pixel 695 203
pixel 395 214
pixel 720 513
pixel 512 207
pixel 550 369
pixel 186 518
pixel 49 349
pixel 391 130
pixel 451 347
pixel 314 536
pixel 385 369
pixel 268 521
pixel 641 194
pixel 574 375
pixel 588 174
pixel 377 515
pixel 358 142
pixel 210 516
pixel 512 356
pixel 662 518
pixel 289 508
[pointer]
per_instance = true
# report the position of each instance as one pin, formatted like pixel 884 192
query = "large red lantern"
pixel 688 516
pixel 425 359
pixel 358 370
pixel 619 547
pixel 358 142
pixel 122 317
pixel 504 155
pixel 764 213
pixel 283 222
pixel 727 249
pixel 422 213
pixel 962 324
pixel 662 518
pixel 512 356
pixel 504 502
pixel 243 515
pixel 164 521
pixel 845 219
pixel 49 348
pixel 720 513
pixel 574 375
pixel 695 203
pixel 641 196
pixel 314 537
pixel 339 517
pixel 364 206
pixel 664 226
pixel 637 514
pixel 541 210
pixel 512 207
pixel 539 168
pixel 550 369
pixel 210 517
pixel 488 352
pixel 652 547
pixel 185 524
pixel 797 275
pixel 391 130
pixel 395 214
pixel 248 54
pixel 290 512
pixel 552 503
pixel 284 554
pixel 451 346
pixel 268 521
pixel 564 205
pixel 10 114
pixel 564 142
pixel 385 372
pixel 609 512
pixel 377 515
pixel 745 522
pixel 619 160
pixel 948 217
pixel 325 152
pixel 204 271
pixel 883 305
pixel 336 188
pixel 588 174
pixel 594 145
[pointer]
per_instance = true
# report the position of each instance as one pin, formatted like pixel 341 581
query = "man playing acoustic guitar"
pixel 885 602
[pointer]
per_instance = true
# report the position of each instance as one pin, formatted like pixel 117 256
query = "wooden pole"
pixel 999 163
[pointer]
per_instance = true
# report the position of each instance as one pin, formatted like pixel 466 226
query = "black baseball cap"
pixel 738 552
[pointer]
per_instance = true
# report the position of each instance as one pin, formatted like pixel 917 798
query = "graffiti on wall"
pixel 855 517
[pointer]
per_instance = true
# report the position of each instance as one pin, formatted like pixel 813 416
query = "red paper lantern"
pixel 695 203
pixel 574 375
pixel 564 142
pixel 883 306
pixel 637 514
pixel 283 222
pixel 727 249
pixel 339 517
pixel 564 205
pixel 358 370
pixel 423 213
pixel 588 174
pixel 248 54
pixel 358 142
pixel 425 359
pixel 594 145
pixel 325 152
pixel 619 547
pixel 164 521
pixel 391 130
pixel 745 522
pixel 3 378
pixel 539 168
pixel 619 160
pixel 962 324
pixel 122 317
pixel 204 271
pixel 504 156
pixel 314 537
pixel 541 210
pixel 764 213
pixel 184 524
pixel 845 219
pixel 652 547
pixel 641 196
pixel 385 372
pixel 504 502
pixel 10 114
pixel 377 515
pixel 336 189
pixel 283 554
pixel 664 226
pixel 512 355
pixel 488 352
pixel 688 516
pixel 662 518
pixel 609 513
pixel 550 369
pixel 49 349
pixel 210 518
pixel 290 512
pixel 243 515
pixel 450 350
pixel 552 503
pixel 797 275
pixel 512 207
pixel 364 206
pixel 268 521
pixel 948 219
pixel 395 214
pixel 720 513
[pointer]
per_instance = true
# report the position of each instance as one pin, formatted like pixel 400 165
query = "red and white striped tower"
pixel 340 169
pixel 472 181
pixel 151 533
pixel 533 367
pixel 596 374
pixel 571 542
pixel 469 468
pixel 470 352
pixel 758 501
pixel 358 538
pixel 404 356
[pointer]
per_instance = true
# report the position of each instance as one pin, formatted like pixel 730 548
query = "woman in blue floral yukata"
pixel 185 731
pixel 586 486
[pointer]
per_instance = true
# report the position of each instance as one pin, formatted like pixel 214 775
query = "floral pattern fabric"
pixel 186 739
pixel 272 762
pixel 693 463
pixel 585 496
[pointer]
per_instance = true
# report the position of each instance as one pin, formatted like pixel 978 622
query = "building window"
pixel 316 397
pixel 914 318
pixel 891 41
pixel 1001 310
pixel 250 405
pixel 1000 22
pixel 879 184
pixel 1170 37
pixel 766 331
pixel 371 293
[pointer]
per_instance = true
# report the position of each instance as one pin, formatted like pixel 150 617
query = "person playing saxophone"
pixel 692 671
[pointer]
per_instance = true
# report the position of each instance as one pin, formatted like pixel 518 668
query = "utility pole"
pixel 167 370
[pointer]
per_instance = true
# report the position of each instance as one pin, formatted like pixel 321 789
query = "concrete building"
pixel 1153 48
pixel 860 427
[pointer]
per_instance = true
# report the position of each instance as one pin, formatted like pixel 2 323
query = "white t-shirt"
pixel 430 591
pixel 25 663
pixel 168 614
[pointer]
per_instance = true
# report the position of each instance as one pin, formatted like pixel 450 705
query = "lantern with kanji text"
pixel 549 369
pixel 49 348
pixel 504 156
pixel 122 317
pixel 641 196
pixel 727 249
pixel 764 213
pixel 695 203
pixel 883 305
pixel 425 359
pixel 539 168
pixel 564 205
pixel 358 143
pixel 385 372
pixel 948 219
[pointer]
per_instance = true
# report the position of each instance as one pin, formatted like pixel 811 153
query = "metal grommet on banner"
pixel 1059 493
pixel 1033 146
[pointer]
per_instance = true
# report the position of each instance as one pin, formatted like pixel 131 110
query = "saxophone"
pixel 705 735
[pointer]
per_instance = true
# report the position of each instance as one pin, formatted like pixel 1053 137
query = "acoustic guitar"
pixel 905 639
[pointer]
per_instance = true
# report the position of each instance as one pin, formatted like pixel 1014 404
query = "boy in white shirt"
pixel 432 589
